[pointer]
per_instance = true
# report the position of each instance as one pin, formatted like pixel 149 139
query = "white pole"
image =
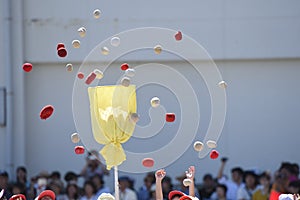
pixel 116 183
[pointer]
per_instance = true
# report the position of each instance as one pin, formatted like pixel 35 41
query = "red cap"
pixel 178 36
pixel 174 193
pixel 46 112
pixel 148 162
pixel 90 78
pixel 17 197
pixel 214 154
pixel 170 117
pixel 27 67
pixel 80 75
pixel 47 193
pixel 185 197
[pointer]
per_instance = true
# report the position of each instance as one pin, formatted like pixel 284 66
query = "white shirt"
pixel 128 194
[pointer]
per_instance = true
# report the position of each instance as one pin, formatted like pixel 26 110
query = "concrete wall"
pixel 254 43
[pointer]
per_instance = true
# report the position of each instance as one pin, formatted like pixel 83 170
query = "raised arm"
pixel 221 169
pixel 190 174
pixel 159 175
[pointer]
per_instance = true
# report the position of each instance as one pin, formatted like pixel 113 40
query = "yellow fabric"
pixel 111 108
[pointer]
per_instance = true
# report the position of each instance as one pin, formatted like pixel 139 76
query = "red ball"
pixel 90 78
pixel 80 75
pixel 27 67
pixel 178 36
pixel 79 150
pixel 124 66
pixel 46 112
pixel 214 154
pixel 60 45
pixel 62 52
pixel 148 162
pixel 170 117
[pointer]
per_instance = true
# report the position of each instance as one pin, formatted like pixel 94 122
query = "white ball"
pixel 130 72
pixel 69 67
pixel 222 84
pixel 187 182
pixel 75 138
pixel 157 49
pixel 125 81
pixel 97 14
pixel 105 50
pixel 81 31
pixel 198 146
pixel 155 102
pixel 99 74
pixel 115 41
pixel 76 43
pixel 211 144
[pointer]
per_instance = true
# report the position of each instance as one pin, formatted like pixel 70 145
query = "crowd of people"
pixel 242 185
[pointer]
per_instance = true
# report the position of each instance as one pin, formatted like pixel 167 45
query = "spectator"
pixel 221 191
pixel 93 166
pixel 89 191
pixel 294 187
pixel 208 187
pixel 152 195
pixel 57 187
pixel 71 177
pixel 4 184
pixel 263 191
pixel 167 186
pixel 144 191
pixel 72 191
pixel 234 184
pixel 18 188
pixel 99 184
pixel 56 178
pixel 125 193
pixel 184 188
pixel 245 192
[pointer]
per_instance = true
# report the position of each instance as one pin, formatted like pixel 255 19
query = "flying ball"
pixel 46 112
pixel 75 138
pixel 76 44
pixel 187 182
pixel 211 144
pixel 214 154
pixel 134 117
pixel 178 36
pixel 198 146
pixel 69 67
pixel 148 162
pixel 155 102
pixel 99 74
pixel 222 84
pixel 61 50
pixel 90 78
pixel 124 66
pixel 27 67
pixel 97 13
pixel 81 31
pixel 105 51
pixel 157 49
pixel 130 72
pixel 170 117
pixel 79 150
pixel 125 81
pixel 80 75
pixel 115 41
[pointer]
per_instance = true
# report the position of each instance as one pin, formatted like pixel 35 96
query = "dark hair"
pixel 238 170
pixel 207 176
pixel 265 175
pixel 223 186
pixel 77 188
pixel 98 176
pixel 89 182
pixel 55 173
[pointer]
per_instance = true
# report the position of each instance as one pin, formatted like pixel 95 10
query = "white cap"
pixel 157 49
pixel 69 67
pixel 125 81
pixel 187 182
pixel 81 31
pixel 99 74
pixel 105 50
pixel 286 197
pixel 106 196
pixel 222 84
pixel 75 138
pixel 97 13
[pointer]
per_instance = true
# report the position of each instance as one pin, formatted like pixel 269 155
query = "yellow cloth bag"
pixel 111 108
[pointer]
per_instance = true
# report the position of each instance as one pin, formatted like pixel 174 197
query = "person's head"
pixel 250 179
pixel 21 174
pixel 3 179
pixel 98 181
pixel 221 190
pixel 123 182
pixel 72 191
pixel 167 184
pixel 265 179
pixel 148 182
pixel 175 195
pixel 46 195
pixel 71 177
pixel 208 180
pixel 294 187
pixel 89 188
pixel 18 188
pixel 56 186
pixel 237 174
pixel 55 175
